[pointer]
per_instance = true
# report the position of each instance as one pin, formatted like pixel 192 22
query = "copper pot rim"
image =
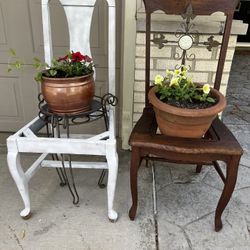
pixel 215 109
pixel 67 79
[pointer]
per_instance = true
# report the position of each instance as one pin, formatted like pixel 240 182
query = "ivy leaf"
pixel 37 65
pixel 52 72
pixel 38 77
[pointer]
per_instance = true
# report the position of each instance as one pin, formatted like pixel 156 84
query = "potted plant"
pixel 67 85
pixel 184 108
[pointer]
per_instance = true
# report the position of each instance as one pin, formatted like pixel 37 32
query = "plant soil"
pixel 190 105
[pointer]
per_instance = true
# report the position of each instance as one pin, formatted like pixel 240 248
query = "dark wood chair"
pixel 218 144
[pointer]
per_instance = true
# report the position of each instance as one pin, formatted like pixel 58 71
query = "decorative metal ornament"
pixel 185 42
pixel 189 13
pixel 159 39
pixel 211 43
pixel 187 37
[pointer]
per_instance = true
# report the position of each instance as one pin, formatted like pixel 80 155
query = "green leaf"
pixel 12 52
pixel 210 99
pixel 37 60
pixel 54 61
pixel 18 64
pixel 52 72
pixel 162 97
pixel 38 77
pixel 37 65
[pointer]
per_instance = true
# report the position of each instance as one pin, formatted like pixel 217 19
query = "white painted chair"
pixel 25 140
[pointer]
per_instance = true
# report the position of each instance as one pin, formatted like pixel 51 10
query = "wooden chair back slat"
pixel 200 7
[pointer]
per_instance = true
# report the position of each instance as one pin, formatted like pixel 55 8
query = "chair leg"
pixel 21 182
pixel 134 167
pixel 112 160
pixel 198 169
pixel 231 177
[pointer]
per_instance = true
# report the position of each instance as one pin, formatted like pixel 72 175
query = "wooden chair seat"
pixel 218 141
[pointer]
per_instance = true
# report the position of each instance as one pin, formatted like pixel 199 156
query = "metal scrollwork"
pixel 189 13
pixel 177 56
pixel 109 99
pixel 187 37
pixel 211 43
pixel 184 56
pixel 177 66
pixel 97 111
pixel 159 39
pixel 190 57
pixel 41 100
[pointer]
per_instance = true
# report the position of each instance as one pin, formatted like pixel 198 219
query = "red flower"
pixel 77 57
pixel 62 58
pixel 88 59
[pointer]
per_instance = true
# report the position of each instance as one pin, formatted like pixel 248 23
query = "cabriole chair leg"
pixel 231 177
pixel 21 182
pixel 134 167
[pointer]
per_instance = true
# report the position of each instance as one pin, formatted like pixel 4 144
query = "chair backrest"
pixel 79 15
pixel 198 7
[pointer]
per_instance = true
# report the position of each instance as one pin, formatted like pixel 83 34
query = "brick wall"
pixel 204 65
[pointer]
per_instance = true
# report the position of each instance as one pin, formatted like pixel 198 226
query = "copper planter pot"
pixel 188 123
pixel 68 95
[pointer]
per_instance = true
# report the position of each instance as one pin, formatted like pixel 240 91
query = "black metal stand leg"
pixel 100 181
pixel 54 156
pixel 74 191
pixel 98 110
pixel 61 176
pixel 62 173
pixel 75 195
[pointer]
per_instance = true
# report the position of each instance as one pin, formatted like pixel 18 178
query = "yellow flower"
pixel 177 72
pixel 169 72
pixel 184 69
pixel 174 81
pixel 206 88
pixel 159 79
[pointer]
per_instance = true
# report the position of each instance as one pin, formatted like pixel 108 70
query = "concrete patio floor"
pixel 186 201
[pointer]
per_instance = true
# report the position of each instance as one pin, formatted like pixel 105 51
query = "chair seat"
pixel 218 140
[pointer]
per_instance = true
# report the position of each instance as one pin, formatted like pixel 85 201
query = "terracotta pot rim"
pixel 218 107
pixel 74 78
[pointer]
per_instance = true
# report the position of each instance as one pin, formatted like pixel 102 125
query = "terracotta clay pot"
pixel 181 122
pixel 68 95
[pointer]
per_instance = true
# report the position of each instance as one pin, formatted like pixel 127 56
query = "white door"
pixel 21 29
